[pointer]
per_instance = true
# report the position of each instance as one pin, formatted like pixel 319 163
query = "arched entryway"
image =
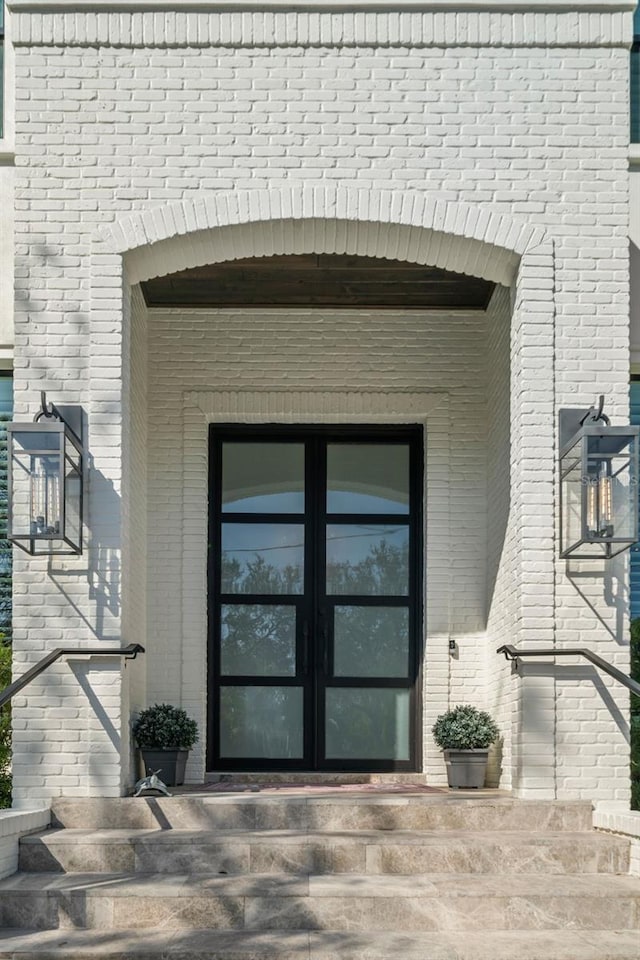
pixel 447 368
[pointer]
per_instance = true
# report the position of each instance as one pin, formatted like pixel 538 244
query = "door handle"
pixel 305 647
pixel 324 640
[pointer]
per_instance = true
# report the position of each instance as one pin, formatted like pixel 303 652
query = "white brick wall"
pixel 490 143
pixel 134 586
pixel 6 263
pixel 500 561
pixel 67 730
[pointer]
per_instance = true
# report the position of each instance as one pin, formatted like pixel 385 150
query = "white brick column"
pixel 533 473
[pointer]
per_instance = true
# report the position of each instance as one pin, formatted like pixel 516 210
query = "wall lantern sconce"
pixel 598 485
pixel 45 482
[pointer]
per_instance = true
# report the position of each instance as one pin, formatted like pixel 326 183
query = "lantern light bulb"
pixel 605 502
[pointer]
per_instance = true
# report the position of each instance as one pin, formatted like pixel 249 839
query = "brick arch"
pixel 398 225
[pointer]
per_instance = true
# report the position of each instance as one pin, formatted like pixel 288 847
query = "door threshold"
pixel 315 778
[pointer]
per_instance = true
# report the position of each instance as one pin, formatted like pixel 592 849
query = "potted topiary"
pixel 165 734
pixel 465 734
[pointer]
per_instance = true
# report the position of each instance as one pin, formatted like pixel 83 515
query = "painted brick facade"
pixel 488 142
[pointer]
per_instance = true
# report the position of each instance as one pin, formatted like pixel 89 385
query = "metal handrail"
pixel 512 654
pixel 130 653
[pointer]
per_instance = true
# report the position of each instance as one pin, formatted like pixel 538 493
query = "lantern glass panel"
pixel 36 440
pixel 72 453
pixel 572 488
pixel 36 484
pixel 611 489
pixel 72 503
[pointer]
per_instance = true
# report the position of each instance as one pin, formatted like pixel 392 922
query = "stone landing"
pixel 327 876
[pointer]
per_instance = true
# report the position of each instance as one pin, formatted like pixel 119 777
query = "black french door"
pixel 315 605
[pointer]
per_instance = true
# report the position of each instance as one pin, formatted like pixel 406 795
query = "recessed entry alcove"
pixel 321 397
pixel 322 280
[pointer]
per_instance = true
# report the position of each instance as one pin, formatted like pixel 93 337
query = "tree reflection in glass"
pixel 367 560
pixel 262 558
pixel 371 641
pixel 258 640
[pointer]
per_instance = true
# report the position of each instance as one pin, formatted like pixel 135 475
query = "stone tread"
pixel 430 902
pixel 120 835
pixel 426 885
pixel 126 944
pixel 308 852
pixel 321 813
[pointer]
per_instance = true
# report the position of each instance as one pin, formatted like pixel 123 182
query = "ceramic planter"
pixel 170 764
pixel 466 768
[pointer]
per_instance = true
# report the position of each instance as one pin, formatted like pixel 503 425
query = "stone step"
pixel 131 944
pixel 355 903
pixel 352 812
pixel 293 851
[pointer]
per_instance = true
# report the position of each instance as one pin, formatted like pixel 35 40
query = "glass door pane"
pixel 370 641
pixel 262 558
pixel 258 639
pixel 367 723
pixel 367 559
pixel 262 722
pixel 263 478
pixel 367 478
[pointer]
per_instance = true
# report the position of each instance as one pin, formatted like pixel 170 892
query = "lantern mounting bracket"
pixel 71 416
pixel 47 410
pixel 595 414
pixel 572 419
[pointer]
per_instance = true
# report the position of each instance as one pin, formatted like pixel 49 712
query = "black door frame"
pixel 313 626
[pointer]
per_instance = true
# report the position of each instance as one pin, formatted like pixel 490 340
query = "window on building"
pixel 635 79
